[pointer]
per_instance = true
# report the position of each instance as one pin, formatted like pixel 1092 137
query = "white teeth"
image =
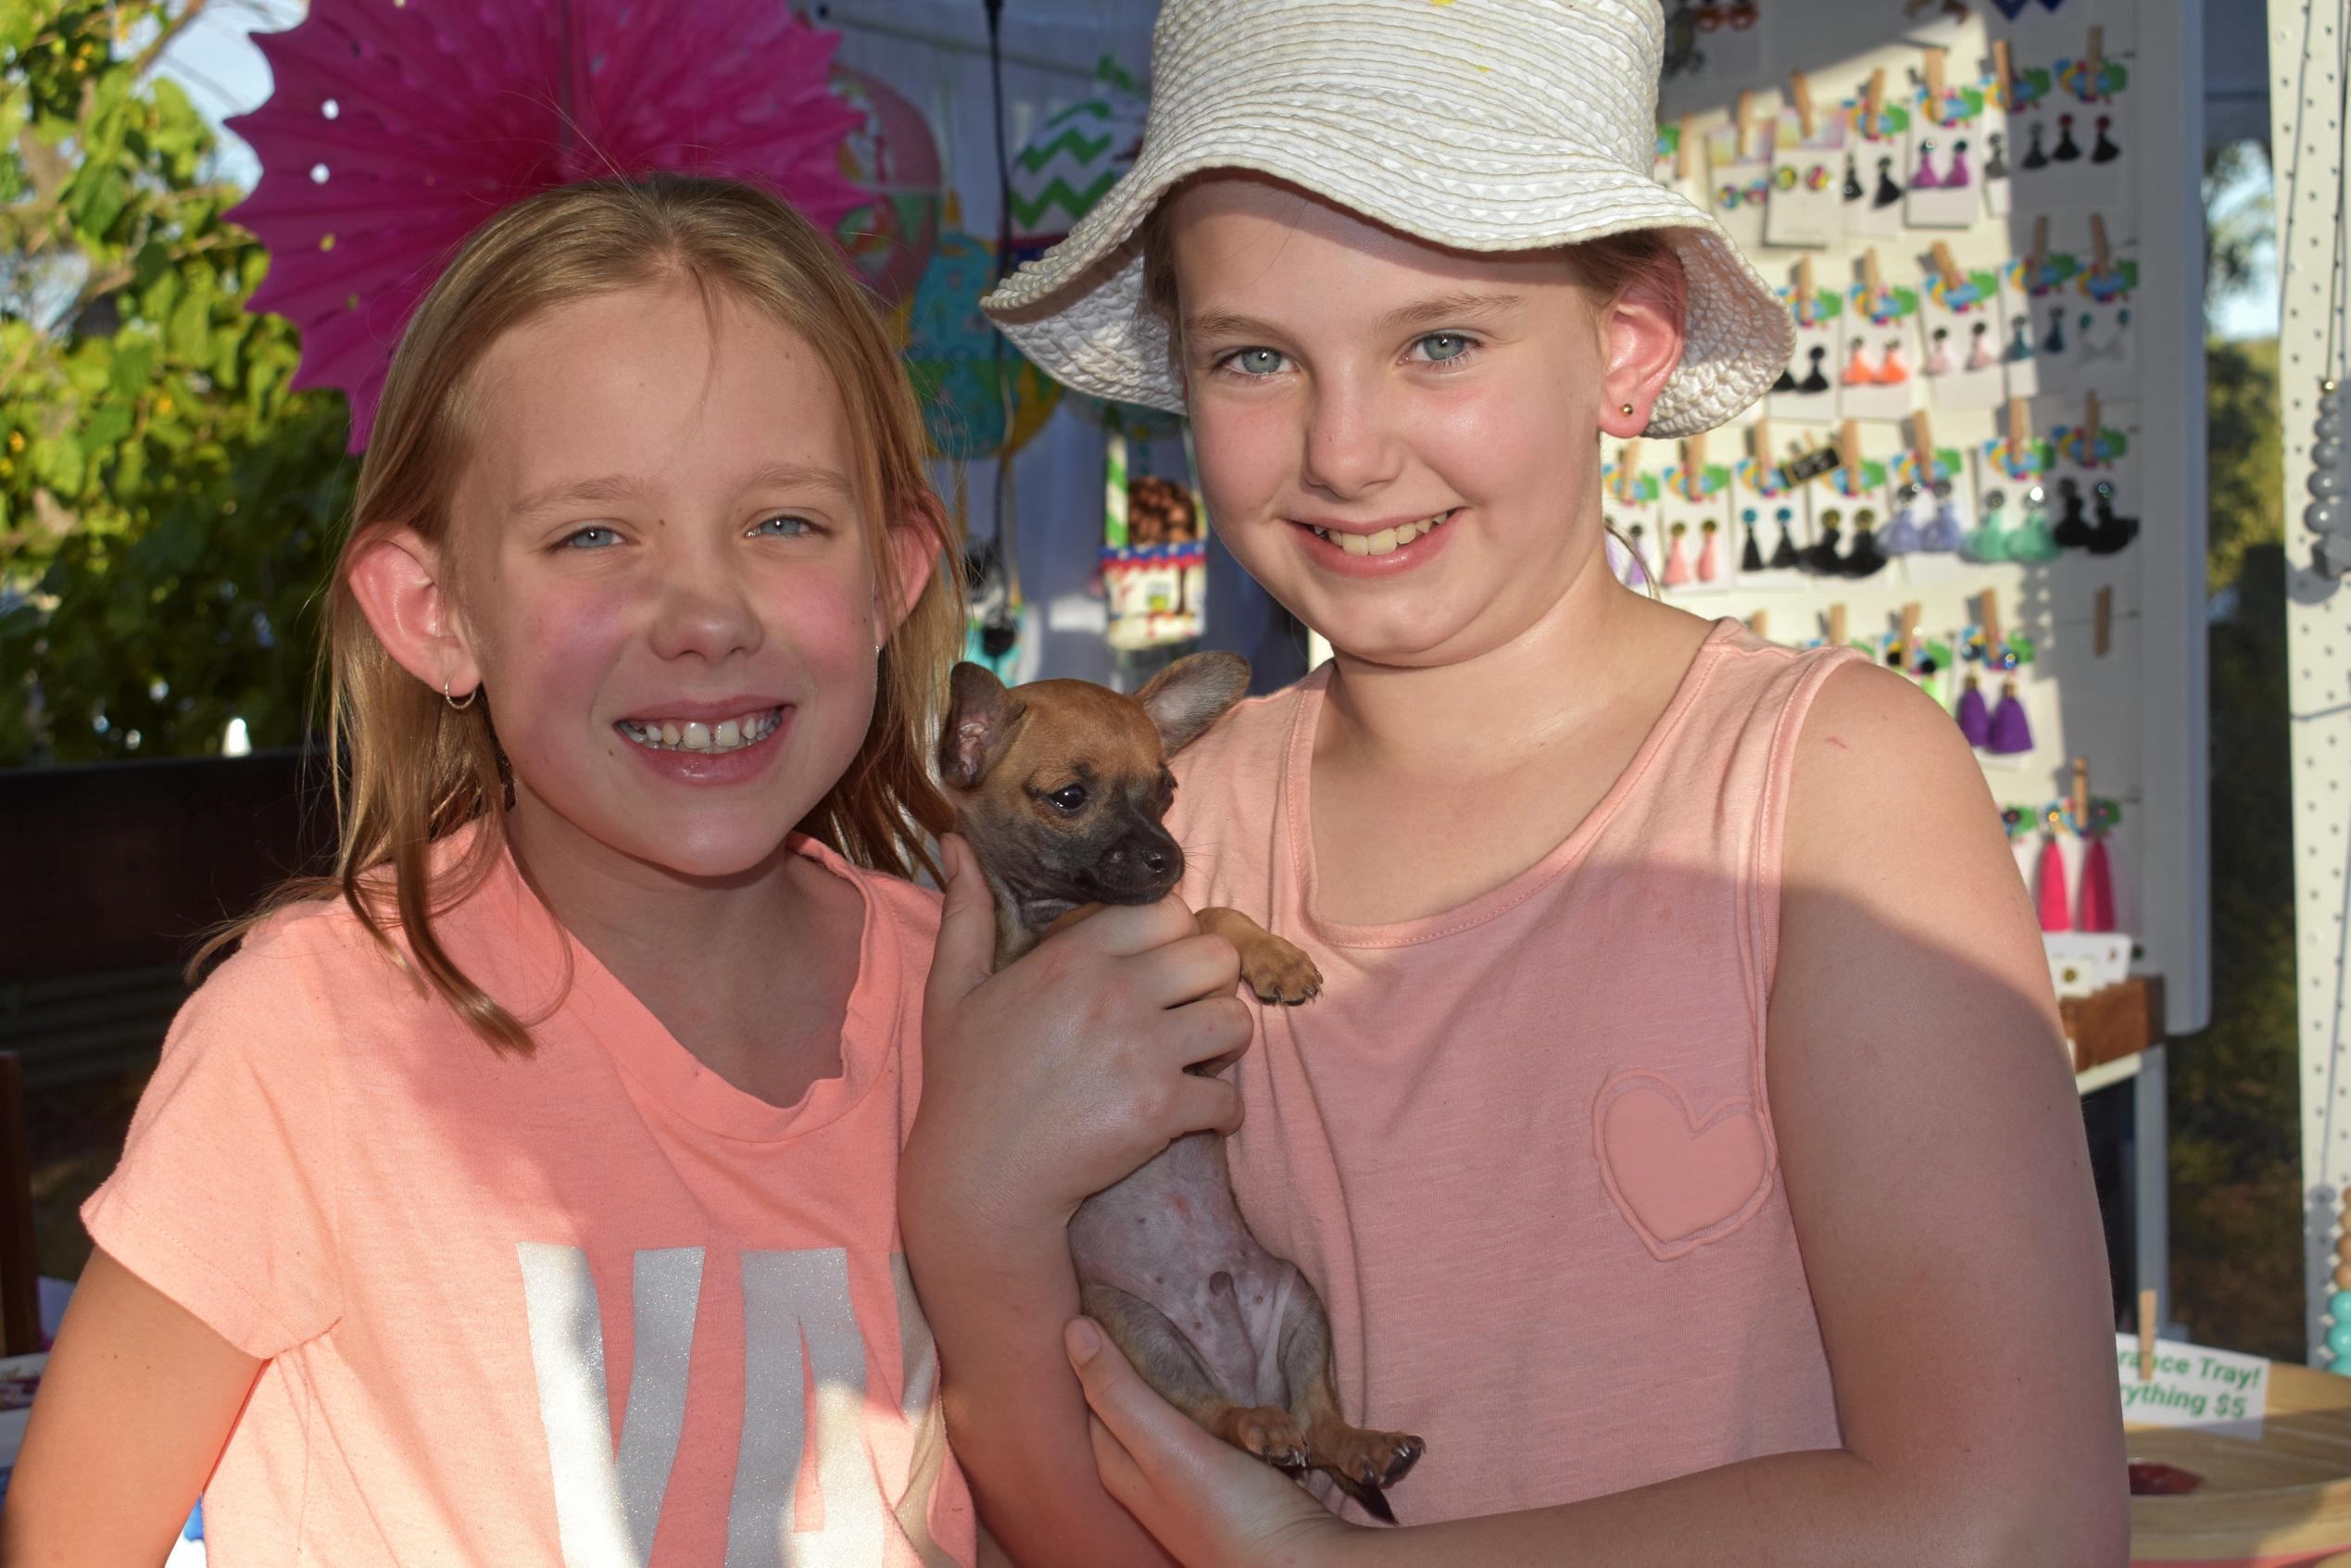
pixel 729 734
pixel 1385 540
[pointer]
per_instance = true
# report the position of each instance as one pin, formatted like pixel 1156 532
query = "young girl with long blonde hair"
pixel 523 1192
pixel 1681 1140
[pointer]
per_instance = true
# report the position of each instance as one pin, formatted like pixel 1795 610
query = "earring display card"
pixel 1945 515
pixel 1877 179
pixel 2076 137
pixel 1628 504
pixel 2105 342
pixel 1999 168
pixel 1740 183
pixel 2092 511
pixel 1807 390
pixel 1946 166
pixel 1696 507
pixel 1778 514
pixel 1807 207
pixel 1962 323
pixel 1877 369
pixel 2028 296
pixel 1680 165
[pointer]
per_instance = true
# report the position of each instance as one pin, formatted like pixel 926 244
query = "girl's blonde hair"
pixel 414 769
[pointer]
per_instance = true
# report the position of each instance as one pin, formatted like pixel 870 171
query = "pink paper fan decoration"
pixel 397 127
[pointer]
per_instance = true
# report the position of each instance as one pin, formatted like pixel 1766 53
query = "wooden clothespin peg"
pixel 1988 617
pixel 1872 279
pixel 1626 468
pixel 1933 60
pixel 1849 454
pixel 1759 444
pixel 1800 94
pixel 1693 466
pixel 1836 625
pixel 2097 58
pixel 2101 253
pixel 1947 265
pixel 1873 101
pixel 2078 794
pixel 1908 637
pixel 2020 426
pixel 2090 427
pixel 2004 73
pixel 2040 251
pixel 1757 622
pixel 2102 623
pixel 1805 287
pixel 1686 147
pixel 2146 1331
pixel 1744 116
pixel 1922 442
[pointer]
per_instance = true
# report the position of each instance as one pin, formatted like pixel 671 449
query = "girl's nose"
pixel 1352 445
pixel 703 611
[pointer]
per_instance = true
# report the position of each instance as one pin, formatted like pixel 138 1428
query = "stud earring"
pixel 1625 410
pixel 455 706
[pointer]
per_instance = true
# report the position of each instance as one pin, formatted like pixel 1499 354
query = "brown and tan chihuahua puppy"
pixel 1060 786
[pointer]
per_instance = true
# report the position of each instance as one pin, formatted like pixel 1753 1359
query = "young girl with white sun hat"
pixel 1682 1140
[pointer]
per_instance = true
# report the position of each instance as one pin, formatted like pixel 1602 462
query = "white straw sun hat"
pixel 1483 125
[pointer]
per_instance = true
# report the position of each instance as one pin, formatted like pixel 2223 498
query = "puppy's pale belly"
pixel 1171 1236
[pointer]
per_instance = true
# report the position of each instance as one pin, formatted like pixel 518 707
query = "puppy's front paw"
pixel 1278 971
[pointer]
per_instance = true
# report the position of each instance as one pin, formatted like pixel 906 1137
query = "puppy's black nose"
pixel 1156 861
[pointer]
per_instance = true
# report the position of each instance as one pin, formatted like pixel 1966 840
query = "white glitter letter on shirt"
pixel 607 1504
pixel 798 1330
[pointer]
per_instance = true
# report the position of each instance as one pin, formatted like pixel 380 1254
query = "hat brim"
pixel 1079 312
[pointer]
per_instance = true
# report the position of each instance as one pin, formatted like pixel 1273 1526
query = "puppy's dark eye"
pixel 1069 797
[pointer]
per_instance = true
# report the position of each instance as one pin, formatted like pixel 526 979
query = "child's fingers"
pixel 1127 929
pixel 1187 968
pixel 1122 1477
pixel 966 950
pixel 1212 1033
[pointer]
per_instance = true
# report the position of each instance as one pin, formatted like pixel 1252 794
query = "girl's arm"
pixel 134 1406
pixel 1931 1145
pixel 1042 1085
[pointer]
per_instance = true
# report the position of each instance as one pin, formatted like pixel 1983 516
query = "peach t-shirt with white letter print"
pixel 591 1307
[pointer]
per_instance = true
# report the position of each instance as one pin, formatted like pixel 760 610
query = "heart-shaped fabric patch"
pixel 1681 1179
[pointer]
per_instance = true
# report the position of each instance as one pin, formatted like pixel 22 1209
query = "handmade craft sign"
pixel 2217 1390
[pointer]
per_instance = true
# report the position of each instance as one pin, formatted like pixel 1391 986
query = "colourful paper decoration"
pixel 892 156
pixel 980 397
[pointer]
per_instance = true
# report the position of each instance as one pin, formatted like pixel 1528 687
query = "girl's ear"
pixel 1640 339
pixel 396 579
pixel 913 554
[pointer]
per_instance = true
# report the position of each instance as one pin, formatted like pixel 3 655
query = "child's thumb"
pixel 966 950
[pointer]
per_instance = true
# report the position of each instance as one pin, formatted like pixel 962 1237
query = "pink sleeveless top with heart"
pixel 1522 1148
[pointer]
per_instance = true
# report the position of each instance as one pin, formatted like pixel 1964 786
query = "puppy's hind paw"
pixel 1269 1432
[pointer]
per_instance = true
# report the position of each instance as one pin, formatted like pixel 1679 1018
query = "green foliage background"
pixel 167 501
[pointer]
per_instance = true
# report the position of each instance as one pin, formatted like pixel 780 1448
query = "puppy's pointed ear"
pixel 1192 694
pixel 981 719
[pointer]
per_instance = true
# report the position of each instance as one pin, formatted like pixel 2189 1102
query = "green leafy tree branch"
pixel 167 501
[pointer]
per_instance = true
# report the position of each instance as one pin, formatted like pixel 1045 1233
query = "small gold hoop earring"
pixel 455 706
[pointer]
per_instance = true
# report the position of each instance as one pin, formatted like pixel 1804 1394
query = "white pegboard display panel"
pixel 2306 40
pixel 2001 204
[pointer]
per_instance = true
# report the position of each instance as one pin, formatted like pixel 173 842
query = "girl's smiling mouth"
pixel 681 733
pixel 1390 547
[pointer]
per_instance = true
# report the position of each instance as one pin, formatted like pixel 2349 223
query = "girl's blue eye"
pixel 781 527
pixel 593 537
pixel 1443 346
pixel 1257 361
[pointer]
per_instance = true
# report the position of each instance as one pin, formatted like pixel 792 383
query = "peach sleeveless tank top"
pixel 1522 1148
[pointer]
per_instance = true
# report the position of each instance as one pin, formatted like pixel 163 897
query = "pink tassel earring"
pixel 2055 905
pixel 1676 559
pixel 2092 819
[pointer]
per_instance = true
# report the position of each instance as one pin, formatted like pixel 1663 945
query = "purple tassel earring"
pixel 2010 731
pixel 1975 718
